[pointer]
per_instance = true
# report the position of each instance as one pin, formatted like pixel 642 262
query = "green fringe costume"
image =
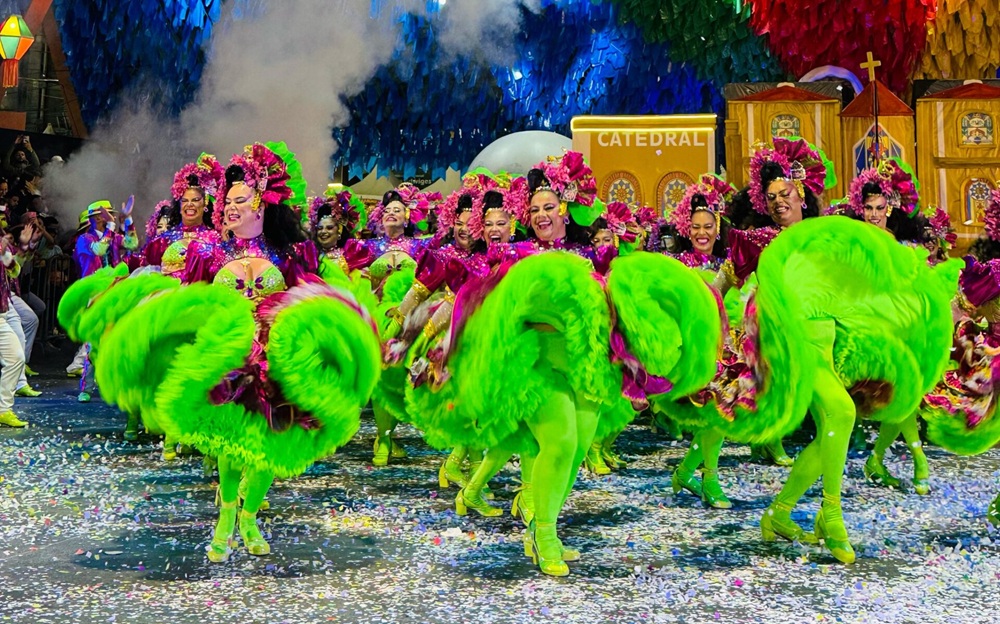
pixel 878 326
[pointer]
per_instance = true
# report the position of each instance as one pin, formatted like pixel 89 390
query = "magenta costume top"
pixel 171 249
pixel 385 253
pixel 980 281
pixel 698 260
pixel 285 270
pixel 745 247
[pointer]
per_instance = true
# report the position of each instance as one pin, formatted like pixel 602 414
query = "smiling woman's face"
pixel 544 218
pixel 496 226
pixel 240 217
pixel 704 231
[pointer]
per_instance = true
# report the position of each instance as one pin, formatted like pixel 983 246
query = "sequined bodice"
pixel 697 260
pixel 175 254
pixel 392 254
pixel 178 241
pixel 476 263
pixel 250 266
pixel 254 278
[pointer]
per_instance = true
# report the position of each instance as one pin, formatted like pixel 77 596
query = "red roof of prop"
pixel 971 91
pixel 784 93
pixel 888 104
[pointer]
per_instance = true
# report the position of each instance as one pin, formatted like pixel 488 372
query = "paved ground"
pixel 93 529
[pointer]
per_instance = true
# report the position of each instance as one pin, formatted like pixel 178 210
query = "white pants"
pixel 78 359
pixel 29 323
pixel 14 322
pixel 12 361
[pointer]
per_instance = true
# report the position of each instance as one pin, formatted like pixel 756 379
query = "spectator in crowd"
pixel 21 159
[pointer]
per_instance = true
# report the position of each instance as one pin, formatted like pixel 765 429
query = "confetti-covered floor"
pixel 94 529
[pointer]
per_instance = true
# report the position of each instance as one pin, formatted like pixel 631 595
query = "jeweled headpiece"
pixel 894 182
pixel 496 194
pixel 465 199
pixel 716 192
pixel 940 224
pixel 263 171
pixel 344 207
pixel 416 204
pixel 569 177
pixel 800 163
pixel 206 174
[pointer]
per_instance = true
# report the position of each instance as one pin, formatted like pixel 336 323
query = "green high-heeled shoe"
pixel 612 459
pixel 594 461
pixel 685 481
pixel 777 522
pixel 876 472
pixel 921 470
pixel 830 528
pixel 451 473
pixel 380 451
pixel 131 427
pixel 464 502
pixel 569 555
pixel 222 543
pixel 397 451
pixel 768 454
pixel 252 539
pixel 552 564
pixel 169 453
pixel 523 505
pixel 711 491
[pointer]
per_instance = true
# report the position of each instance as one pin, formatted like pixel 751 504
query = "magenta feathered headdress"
pixel 717 194
pixel 894 183
pixel 619 217
pixel 569 177
pixel 264 172
pixel 508 199
pixel 447 211
pixel 205 173
pixel 342 209
pixel 940 224
pixel 417 203
pixel 800 164
pixel 647 218
pixel 154 218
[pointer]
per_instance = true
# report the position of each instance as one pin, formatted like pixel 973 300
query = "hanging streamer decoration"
pixel 109 45
pixel 713 36
pixel 964 41
pixel 421 111
pixel 805 34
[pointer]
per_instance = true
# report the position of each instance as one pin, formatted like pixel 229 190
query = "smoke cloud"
pixel 275 72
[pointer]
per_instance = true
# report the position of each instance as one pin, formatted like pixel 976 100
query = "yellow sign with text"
pixel 646 160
